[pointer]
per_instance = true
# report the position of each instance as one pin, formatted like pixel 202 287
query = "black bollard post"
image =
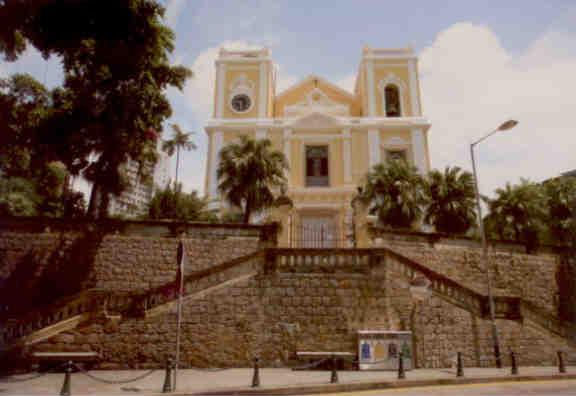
pixel 167 387
pixel 65 391
pixel 256 376
pixel 460 368
pixel 514 369
pixel 334 376
pixel 561 367
pixel 401 373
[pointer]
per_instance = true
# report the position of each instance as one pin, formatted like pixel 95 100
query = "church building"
pixel 331 137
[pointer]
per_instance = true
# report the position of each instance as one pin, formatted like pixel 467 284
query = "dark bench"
pixel 342 359
pixel 48 360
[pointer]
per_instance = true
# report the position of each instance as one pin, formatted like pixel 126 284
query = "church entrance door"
pixel 317 231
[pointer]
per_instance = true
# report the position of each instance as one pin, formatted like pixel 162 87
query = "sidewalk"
pixel 273 381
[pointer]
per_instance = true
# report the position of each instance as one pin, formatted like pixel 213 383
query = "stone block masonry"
pixel 313 302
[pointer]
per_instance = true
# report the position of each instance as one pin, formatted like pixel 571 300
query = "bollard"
pixel 514 369
pixel 334 376
pixel 256 376
pixel 561 367
pixel 460 368
pixel 65 391
pixel 401 373
pixel 167 388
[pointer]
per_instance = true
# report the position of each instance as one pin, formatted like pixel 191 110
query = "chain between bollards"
pixel 167 388
pixel 256 375
pixel 65 391
pixel 561 366
pixel 460 365
pixel 401 372
pixel 334 375
pixel 514 368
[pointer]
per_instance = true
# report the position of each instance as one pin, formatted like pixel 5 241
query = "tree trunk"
pixel 93 206
pixel 104 204
pixel 247 211
pixel 177 165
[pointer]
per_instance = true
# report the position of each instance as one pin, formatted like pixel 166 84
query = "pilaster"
pixel 419 150
pixel 217 141
pixel 347 148
pixel 373 147
pixel 287 137
pixel 220 78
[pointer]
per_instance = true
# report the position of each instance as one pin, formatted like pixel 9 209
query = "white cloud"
pixel 470 84
pixel 347 82
pixel 173 11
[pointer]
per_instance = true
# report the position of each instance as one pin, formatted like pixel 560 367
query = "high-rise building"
pixel 134 201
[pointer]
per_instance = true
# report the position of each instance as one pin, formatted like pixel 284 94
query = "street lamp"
pixel 503 127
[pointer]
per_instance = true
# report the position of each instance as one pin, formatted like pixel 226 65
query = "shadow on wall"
pixel 566 278
pixel 47 273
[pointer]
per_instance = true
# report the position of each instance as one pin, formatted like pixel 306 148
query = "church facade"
pixel 331 137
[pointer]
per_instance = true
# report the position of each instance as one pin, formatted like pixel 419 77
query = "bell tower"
pixel 244 85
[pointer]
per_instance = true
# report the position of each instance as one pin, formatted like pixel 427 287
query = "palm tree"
pixel 517 212
pixel 395 192
pixel 248 172
pixel 451 200
pixel 180 140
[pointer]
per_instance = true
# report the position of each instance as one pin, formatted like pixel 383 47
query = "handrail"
pixel 550 322
pixel 97 300
pixel 168 291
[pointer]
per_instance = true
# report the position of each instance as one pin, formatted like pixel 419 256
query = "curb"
pixel 364 386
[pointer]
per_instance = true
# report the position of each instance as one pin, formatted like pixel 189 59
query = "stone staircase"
pixel 71 312
pixel 79 309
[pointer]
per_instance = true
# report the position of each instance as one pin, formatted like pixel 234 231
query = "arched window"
pixel 392 97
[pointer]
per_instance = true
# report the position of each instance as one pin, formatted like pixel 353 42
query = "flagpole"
pixel 179 320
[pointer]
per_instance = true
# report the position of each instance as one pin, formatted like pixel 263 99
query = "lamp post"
pixel 503 127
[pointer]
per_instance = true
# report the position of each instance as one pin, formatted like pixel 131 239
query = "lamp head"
pixel 507 125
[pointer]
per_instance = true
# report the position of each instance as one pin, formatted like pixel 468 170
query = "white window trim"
pixel 392 79
pixel 319 142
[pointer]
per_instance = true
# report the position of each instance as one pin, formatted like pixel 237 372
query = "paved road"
pixel 533 388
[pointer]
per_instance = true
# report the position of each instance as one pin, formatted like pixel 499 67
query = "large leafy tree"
pixel 30 185
pixel 116 69
pixel 171 203
pixel 451 200
pixel 517 212
pixel 395 192
pixel 180 141
pixel 560 194
pixel 248 173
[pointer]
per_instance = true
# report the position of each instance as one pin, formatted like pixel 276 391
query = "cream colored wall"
pixel 252 75
pixel 230 136
pixel 381 70
pixel 276 139
pixel 403 133
pixel 335 160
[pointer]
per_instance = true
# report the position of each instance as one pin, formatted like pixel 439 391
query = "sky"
pixel 480 62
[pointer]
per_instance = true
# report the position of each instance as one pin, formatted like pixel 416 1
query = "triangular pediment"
pixel 314 95
pixel 316 120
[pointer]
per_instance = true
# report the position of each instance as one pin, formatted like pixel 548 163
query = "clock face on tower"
pixel 241 103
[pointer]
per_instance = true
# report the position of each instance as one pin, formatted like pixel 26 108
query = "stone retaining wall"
pixel 514 272
pixel 44 260
pixel 275 314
